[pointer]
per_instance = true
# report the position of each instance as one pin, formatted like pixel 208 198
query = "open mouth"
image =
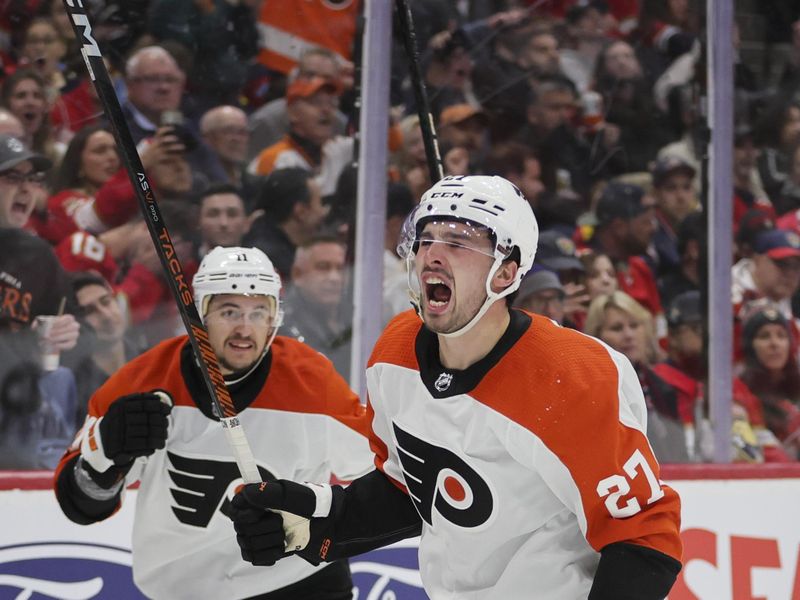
pixel 19 207
pixel 437 293
pixel 241 345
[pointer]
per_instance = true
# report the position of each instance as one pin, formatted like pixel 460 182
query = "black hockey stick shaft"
pixel 420 94
pixel 180 288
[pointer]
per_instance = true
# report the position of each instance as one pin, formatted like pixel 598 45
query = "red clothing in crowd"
pixel 73 210
pixel 691 390
pixel 142 289
pixel 639 283
pixel 77 106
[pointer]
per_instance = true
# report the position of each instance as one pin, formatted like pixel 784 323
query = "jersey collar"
pixel 442 382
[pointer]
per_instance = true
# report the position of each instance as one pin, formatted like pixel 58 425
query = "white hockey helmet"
pixel 489 201
pixel 236 270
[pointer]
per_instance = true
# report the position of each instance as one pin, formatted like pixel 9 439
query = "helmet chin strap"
pixel 491 297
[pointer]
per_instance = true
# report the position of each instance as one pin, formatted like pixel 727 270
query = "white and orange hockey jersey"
pixel 303 423
pixel 522 467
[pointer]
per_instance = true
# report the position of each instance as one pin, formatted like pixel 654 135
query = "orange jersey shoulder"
pixel 396 343
pixel 303 380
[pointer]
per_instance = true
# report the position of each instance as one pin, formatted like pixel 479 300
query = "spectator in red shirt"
pixel 91 192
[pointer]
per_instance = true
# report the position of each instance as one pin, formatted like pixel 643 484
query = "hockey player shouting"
pixel 516 446
pixel 153 421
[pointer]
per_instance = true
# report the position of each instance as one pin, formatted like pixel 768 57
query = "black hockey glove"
pixel 134 425
pixel 300 526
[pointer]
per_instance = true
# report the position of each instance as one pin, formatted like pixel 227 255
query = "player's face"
pixel 239 328
pixel 771 345
pixel 452 263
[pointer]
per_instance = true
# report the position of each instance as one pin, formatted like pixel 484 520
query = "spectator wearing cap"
pixel 311 143
pixel 686 372
pixel 542 293
pixel 675 200
pixel 771 371
pixel 686 276
pixel 463 131
pixel 270 123
pixel 752 223
pixel 772 273
pixel 32 282
pixel 463 125
pixel 36 425
pixel 626 223
pixel 556 252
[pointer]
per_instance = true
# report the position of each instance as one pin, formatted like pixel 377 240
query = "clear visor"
pixel 266 316
pixel 461 234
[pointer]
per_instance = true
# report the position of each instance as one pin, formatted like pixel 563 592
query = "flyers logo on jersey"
pixel 200 486
pixel 439 479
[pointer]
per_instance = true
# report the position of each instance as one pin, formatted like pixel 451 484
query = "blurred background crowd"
pixel 245 113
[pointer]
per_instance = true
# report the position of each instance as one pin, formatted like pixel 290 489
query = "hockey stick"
pixel 198 336
pixel 420 94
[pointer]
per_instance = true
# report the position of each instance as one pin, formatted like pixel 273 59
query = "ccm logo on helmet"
pixel 447 195
pixel 439 479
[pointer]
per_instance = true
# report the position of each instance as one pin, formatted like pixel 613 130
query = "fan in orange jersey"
pixel 153 421
pixel 517 447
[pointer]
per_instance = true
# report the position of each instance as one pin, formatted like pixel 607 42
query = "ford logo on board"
pixel 66 571
pixel 391 572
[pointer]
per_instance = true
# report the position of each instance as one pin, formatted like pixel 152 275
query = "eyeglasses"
pixel 17 178
pixel 257 317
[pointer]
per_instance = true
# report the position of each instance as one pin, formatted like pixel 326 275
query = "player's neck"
pixel 465 350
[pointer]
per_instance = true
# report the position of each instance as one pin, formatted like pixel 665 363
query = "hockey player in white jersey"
pixel 516 447
pixel 153 421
